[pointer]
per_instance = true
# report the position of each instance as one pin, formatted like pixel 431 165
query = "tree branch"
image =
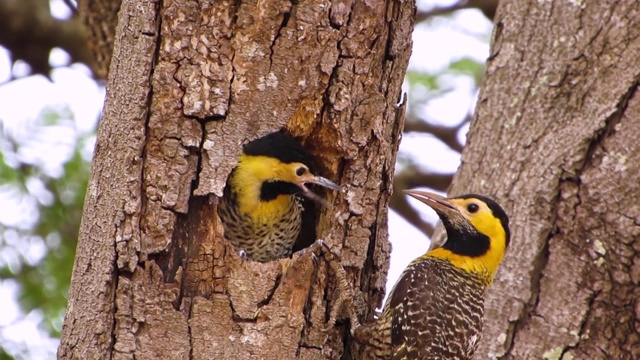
pixel 488 8
pixel 71 6
pixel 412 177
pixel 33 32
pixel 424 15
pixel 446 134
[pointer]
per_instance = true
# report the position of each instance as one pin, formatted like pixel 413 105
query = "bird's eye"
pixel 473 207
pixel 301 171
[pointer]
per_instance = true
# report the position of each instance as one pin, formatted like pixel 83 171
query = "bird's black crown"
pixel 280 146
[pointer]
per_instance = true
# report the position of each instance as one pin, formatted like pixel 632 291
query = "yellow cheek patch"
pixel 247 180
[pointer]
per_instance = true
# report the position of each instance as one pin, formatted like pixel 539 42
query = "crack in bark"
pixel 114 321
pixel 189 329
pixel 583 324
pixel 200 152
pixel 235 6
pixel 579 201
pixel 607 129
pixel 237 318
pixel 306 312
pixel 283 24
pixel 334 73
pixel 369 260
pixel 528 310
pixel 272 291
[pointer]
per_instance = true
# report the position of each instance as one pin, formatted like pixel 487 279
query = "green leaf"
pixel 467 66
pixel 427 80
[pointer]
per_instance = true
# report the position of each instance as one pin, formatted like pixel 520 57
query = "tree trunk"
pixel 555 139
pixel 189 83
pixel 100 19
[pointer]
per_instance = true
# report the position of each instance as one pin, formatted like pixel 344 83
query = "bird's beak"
pixel 438 203
pixel 446 210
pixel 318 180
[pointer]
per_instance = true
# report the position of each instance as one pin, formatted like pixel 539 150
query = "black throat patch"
pixel 466 241
pixel 271 189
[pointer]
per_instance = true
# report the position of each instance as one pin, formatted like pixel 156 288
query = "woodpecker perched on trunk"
pixel 262 206
pixel 435 310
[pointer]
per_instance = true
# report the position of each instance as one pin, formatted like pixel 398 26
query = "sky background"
pixel 436 44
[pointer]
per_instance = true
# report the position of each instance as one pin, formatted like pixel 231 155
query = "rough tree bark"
pixel 189 83
pixel 100 19
pixel 555 139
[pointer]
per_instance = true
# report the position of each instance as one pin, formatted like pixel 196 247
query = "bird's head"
pixel 276 165
pixel 279 178
pixel 477 231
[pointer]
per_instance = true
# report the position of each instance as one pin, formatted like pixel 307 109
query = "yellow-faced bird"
pixel 262 206
pixel 435 310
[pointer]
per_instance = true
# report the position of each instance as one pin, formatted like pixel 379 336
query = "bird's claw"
pixel 243 255
pixel 315 249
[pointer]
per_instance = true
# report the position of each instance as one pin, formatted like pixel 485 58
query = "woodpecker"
pixel 435 310
pixel 264 198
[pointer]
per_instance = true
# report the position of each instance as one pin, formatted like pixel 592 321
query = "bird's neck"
pixel 483 266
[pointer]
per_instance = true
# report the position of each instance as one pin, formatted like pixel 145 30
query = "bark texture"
pixel 100 19
pixel 555 140
pixel 189 84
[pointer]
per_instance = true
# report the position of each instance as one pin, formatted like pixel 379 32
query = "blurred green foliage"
pixel 420 78
pixel 38 253
pixel 468 66
pixel 435 84
pixel 4 355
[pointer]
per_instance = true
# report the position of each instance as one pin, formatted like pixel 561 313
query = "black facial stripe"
pixel 465 240
pixel 271 189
